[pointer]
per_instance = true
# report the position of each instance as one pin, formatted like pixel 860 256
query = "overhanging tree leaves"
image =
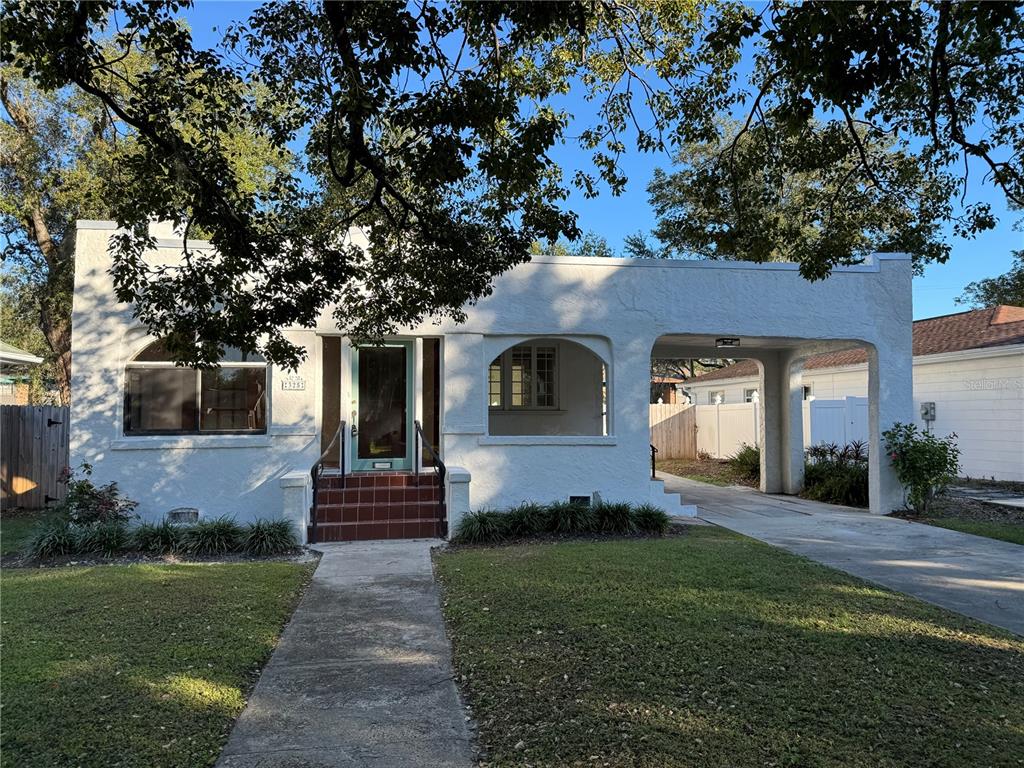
pixel 430 125
pixel 762 197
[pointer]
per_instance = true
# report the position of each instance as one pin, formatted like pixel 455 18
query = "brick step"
pixel 381 495
pixel 365 513
pixel 404 529
pixel 379 480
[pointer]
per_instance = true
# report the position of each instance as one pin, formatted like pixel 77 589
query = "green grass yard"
pixel 142 665
pixel 1005 531
pixel 16 531
pixel 711 649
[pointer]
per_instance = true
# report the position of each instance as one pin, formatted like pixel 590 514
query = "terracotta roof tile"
pixel 975 329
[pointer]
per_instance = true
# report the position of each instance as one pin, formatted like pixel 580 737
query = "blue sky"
pixel 614 218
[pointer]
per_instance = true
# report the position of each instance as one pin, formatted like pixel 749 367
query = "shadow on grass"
pixel 135 665
pixel 717 650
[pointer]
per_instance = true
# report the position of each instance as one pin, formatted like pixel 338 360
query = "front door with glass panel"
pixel 382 407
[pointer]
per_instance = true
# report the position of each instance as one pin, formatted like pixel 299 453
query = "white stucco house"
pixel 541 394
pixel 968 373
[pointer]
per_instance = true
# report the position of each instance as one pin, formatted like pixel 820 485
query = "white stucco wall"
pixel 617 308
pixel 979 395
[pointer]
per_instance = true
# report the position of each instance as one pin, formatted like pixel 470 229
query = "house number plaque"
pixel 293 383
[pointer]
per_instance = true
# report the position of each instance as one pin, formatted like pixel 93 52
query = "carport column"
pixel 793 425
pixel 890 399
pixel 780 424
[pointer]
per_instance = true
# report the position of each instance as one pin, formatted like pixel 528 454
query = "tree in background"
pixel 57 154
pixel 432 127
pixel 588 244
pixel 756 196
pixel 1005 289
pixel 63 157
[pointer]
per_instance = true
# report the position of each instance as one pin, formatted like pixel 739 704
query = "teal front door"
pixel 382 420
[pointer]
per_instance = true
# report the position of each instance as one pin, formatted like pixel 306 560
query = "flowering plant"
pixel 924 464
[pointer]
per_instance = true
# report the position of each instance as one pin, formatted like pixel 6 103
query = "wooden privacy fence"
pixel 33 454
pixel 673 430
pixel 680 431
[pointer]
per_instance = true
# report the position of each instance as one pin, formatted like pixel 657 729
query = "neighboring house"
pixel 541 394
pixel 14 383
pixel 668 389
pixel 969 366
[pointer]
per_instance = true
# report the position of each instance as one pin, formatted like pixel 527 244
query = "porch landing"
pixel 362 675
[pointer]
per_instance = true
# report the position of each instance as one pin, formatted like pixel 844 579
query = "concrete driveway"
pixel 978 577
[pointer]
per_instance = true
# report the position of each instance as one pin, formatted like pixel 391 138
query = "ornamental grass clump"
pixel 569 518
pixel 269 537
pixel 53 538
pixel 747 462
pixel 529 519
pixel 158 538
pixel 648 518
pixel 482 527
pixel 107 539
pixel 212 537
pixel 610 517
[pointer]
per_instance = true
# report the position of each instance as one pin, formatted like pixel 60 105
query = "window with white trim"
pixel 807 393
pixel 524 377
pixel 161 398
pixel 750 396
pixel 716 397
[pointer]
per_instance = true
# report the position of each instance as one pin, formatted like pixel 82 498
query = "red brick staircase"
pixel 378 505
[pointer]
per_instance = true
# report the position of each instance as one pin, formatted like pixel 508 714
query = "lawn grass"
pixel 712 649
pixel 1005 531
pixel 143 665
pixel 16 531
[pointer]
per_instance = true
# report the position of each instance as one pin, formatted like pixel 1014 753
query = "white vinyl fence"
pixel 723 429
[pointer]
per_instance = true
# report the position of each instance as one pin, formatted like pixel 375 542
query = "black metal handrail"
pixel 317 471
pixel 439 470
pixel 654 452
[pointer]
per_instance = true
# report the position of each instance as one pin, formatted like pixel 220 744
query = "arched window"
pixel 163 399
pixel 547 386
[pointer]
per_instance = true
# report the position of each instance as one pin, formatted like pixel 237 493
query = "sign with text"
pixel 293 383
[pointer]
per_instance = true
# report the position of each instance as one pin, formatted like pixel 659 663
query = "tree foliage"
pixel 760 197
pixel 1004 289
pixel 430 127
pixel 65 157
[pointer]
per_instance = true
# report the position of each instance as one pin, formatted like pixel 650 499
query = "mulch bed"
pixel 717 469
pixel 964 508
pixel 19 560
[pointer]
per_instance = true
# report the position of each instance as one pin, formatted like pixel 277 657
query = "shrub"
pixel 52 538
pixel 570 518
pixel 107 538
pixel 528 519
pixel 86 503
pixel 614 518
pixel 269 537
pixel 157 538
pixel 212 537
pixel 747 461
pixel 836 482
pixel 650 519
pixel 924 464
pixel 481 527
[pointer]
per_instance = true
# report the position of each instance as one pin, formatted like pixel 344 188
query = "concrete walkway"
pixel 978 577
pixel 362 675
